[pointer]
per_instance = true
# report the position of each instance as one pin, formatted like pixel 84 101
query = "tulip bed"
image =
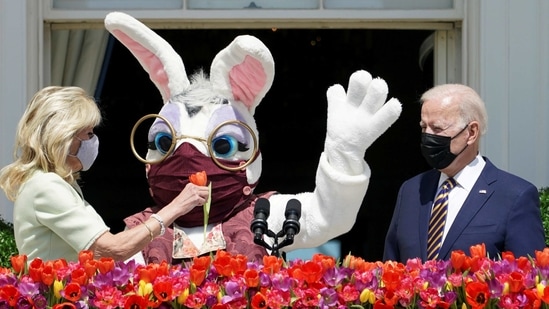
pixel 223 280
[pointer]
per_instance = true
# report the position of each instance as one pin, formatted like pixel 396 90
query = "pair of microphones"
pixel 290 226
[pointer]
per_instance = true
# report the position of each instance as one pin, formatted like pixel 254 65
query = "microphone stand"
pixel 275 248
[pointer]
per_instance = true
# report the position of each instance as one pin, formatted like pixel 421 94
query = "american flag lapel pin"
pixel 482 191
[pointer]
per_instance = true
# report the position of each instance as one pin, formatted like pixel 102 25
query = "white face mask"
pixel 87 152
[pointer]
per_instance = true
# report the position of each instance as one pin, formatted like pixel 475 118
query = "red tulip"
pixel 516 282
pixel 239 263
pixel 478 294
pixel 457 259
pixel 478 251
pixel 198 269
pixel 542 257
pixel 136 302
pixel 271 264
pixel 73 292
pixel 9 293
pixel 259 301
pixel 90 266
pixel 65 305
pixel 326 261
pixel 60 264
pixel 309 272
pixel 84 256
pixel 18 263
pixel 508 256
pixel 251 277
pixel 79 276
pixel 148 273
pixel 48 274
pixel 105 265
pixel 35 269
pixel 163 290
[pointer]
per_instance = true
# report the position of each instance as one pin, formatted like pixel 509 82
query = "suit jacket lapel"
pixel 480 193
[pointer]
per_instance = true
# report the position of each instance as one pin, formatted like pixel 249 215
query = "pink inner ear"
pixel 149 61
pixel 247 80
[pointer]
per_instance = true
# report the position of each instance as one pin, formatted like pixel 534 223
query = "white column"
pixel 507 62
pixel 20 21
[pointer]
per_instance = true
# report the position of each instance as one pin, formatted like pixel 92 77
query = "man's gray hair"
pixel 470 103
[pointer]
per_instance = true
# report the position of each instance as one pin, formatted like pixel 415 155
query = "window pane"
pixel 389 4
pixel 254 4
pixel 117 4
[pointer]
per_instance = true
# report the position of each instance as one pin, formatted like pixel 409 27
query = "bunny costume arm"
pixel 355 120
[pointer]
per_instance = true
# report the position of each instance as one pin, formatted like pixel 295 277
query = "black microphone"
pixel 261 213
pixel 293 212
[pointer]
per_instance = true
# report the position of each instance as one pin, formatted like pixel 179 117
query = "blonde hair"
pixel 470 104
pixel 45 133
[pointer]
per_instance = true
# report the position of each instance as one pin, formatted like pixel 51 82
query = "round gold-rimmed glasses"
pixel 209 142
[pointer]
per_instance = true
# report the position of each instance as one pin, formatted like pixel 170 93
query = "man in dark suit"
pixel 484 204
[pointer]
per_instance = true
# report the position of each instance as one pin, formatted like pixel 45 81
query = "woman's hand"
pixel 190 197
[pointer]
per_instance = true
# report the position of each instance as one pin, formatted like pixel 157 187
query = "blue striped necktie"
pixel 438 219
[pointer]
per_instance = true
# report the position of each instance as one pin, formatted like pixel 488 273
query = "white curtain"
pixel 77 57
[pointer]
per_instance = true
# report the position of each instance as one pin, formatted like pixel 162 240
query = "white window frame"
pixel 320 16
pixel 446 22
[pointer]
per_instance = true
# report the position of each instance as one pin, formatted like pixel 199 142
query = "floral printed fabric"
pixel 184 247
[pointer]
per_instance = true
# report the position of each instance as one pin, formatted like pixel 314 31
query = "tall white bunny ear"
pixel 156 56
pixel 243 71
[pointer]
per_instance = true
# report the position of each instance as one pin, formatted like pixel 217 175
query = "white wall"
pixel 12 81
pixel 19 73
pixel 508 48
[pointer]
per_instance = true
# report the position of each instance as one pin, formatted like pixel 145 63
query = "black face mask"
pixel 436 149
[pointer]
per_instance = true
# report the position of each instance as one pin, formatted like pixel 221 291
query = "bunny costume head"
pixel 206 124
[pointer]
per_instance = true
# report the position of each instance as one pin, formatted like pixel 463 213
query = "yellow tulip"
pixel 505 288
pixel 145 288
pixel 57 287
pixel 367 296
pixel 540 287
pixel 183 297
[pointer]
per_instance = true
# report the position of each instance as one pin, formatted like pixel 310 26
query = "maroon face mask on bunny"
pixel 230 190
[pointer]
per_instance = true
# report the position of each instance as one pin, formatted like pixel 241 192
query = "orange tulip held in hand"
pixel 199 179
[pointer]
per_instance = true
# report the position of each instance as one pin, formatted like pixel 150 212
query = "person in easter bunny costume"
pixel 207 124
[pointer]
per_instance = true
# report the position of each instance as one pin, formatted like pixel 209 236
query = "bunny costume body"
pixel 194 108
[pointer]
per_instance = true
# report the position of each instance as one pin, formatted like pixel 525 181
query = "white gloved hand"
pixel 356 119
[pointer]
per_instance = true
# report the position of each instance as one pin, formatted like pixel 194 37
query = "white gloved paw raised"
pixel 356 118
